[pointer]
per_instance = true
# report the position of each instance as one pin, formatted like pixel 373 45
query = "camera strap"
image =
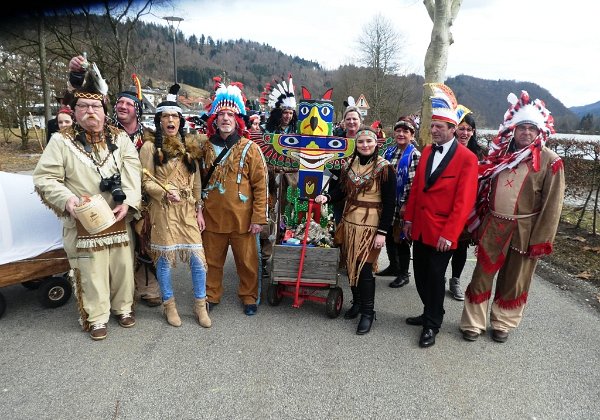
pixel 112 153
pixel 213 166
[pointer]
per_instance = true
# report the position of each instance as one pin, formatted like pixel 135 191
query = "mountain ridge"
pixel 200 58
pixel 583 110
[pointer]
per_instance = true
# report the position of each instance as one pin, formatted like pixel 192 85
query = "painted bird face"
pixel 315 117
pixel 312 151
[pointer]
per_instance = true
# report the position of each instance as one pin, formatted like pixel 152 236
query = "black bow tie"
pixel 437 148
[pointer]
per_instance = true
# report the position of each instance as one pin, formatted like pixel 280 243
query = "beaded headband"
pixel 168 106
pixel 89 95
pixel 405 124
pixel 367 133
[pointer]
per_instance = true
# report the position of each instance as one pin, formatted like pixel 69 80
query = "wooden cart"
pixel 47 272
pixel 319 273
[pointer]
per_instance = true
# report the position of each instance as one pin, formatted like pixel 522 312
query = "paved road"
pixel 297 363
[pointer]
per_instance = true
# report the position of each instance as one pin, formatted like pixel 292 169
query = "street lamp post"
pixel 171 20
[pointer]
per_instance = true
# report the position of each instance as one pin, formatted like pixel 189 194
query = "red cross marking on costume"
pixel 509 183
pixel 513 170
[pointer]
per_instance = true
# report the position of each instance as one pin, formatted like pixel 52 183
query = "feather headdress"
pixel 461 112
pixel 136 96
pixel 94 86
pixel 230 98
pixel 138 86
pixel 279 94
pixel 501 156
pixel 525 111
pixel 443 104
pixel 170 104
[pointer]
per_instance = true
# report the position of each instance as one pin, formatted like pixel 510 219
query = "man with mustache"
pixel 93 158
pixel 128 112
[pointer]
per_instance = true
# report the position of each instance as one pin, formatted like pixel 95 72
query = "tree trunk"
pixel 43 72
pixel 442 14
pixel 584 207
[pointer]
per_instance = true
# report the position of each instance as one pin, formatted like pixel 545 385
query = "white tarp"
pixel 27 227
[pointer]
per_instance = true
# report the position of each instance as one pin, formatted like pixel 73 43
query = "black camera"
pixel 113 184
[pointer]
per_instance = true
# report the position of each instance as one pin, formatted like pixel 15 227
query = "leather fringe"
pixel 539 250
pixel 476 299
pixel 512 303
pixel 99 243
pixel 83 316
pixel 58 211
pixel 485 261
pixel 183 255
pixel 357 247
pixel 557 165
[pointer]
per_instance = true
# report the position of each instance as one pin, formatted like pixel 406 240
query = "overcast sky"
pixel 553 43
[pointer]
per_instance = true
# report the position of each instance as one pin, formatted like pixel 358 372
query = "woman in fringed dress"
pixel 367 186
pixel 176 216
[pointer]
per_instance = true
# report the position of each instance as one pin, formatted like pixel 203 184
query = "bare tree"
pixel 442 14
pixel 19 88
pixel 28 44
pixel 105 30
pixel 379 47
pixel 348 81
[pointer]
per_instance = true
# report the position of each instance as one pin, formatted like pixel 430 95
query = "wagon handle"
pixel 296 303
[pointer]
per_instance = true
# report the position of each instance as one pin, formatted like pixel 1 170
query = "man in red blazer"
pixel 441 197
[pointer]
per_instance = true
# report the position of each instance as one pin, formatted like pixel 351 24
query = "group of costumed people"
pixel 507 202
pixel 200 195
pixel 98 158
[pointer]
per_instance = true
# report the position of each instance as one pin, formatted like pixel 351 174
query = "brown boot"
pixel 170 312
pixel 202 313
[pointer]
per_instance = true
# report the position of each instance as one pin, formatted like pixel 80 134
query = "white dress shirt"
pixel 437 156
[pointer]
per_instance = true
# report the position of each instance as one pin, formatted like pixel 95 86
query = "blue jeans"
pixel 163 275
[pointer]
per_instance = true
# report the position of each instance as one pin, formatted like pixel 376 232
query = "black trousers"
pixel 391 248
pixel 398 253
pixel 403 249
pixel 459 258
pixel 429 266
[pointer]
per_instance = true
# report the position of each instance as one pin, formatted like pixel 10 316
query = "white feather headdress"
pixel 279 94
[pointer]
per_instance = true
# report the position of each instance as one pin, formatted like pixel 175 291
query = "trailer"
pixel 47 273
pixel 31 247
pixel 304 272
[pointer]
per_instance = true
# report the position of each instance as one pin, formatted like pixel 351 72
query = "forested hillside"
pixel 201 58
pixel 254 64
pixel 487 98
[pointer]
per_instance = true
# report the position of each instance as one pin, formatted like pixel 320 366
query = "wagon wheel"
pixel 335 299
pixel 55 292
pixel 31 284
pixel 273 295
pixel 2 305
